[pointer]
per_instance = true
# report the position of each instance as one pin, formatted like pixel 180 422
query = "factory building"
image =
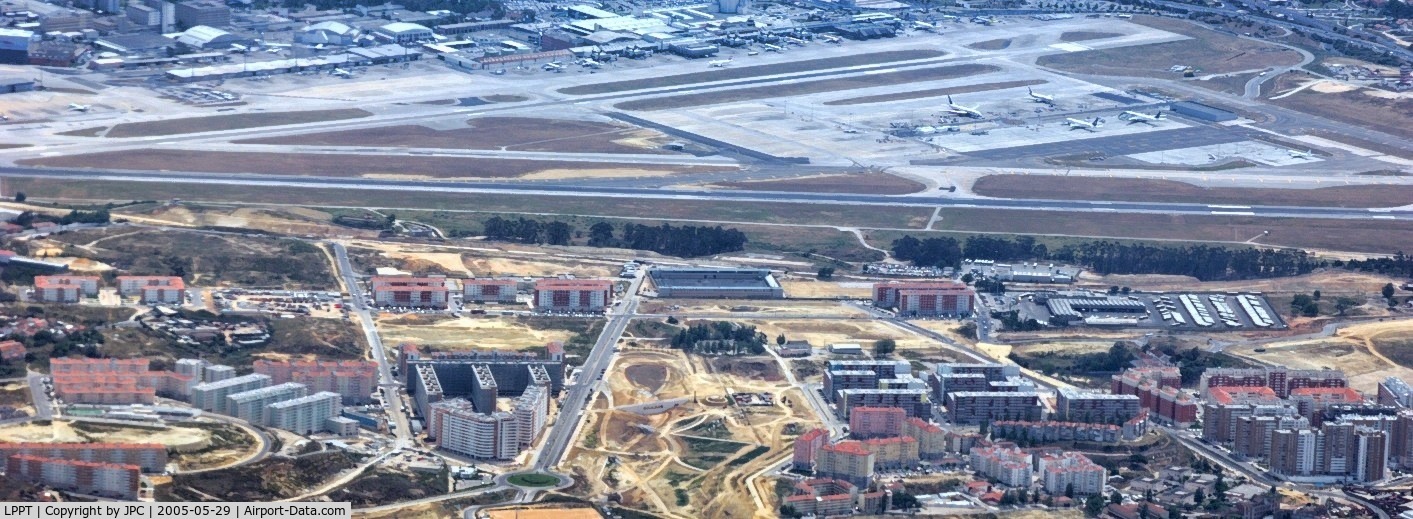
pixel 204 37
pixel 153 289
pixel 717 283
pixel 572 295
pixel 150 457
pixel 354 380
pixel 83 477
pixel 1088 407
pixel 489 290
pixel 14 45
pixel 211 396
pixel 64 289
pixel 925 298
pixel 408 291
pixel 327 33
pixel 304 415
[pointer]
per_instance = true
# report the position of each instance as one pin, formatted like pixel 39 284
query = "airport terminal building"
pixel 716 283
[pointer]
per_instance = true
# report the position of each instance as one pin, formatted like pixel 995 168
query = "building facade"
pixel 84 477
pixel 408 291
pixel 305 415
pixel 925 298
pixel 572 295
pixel 489 290
pixel 150 457
pixel 64 289
pixel 153 289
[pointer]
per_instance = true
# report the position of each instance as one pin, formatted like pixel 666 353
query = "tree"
pixel 1220 489
pixel 20 196
pixel 1387 290
pixel 825 273
pixel 1315 295
pixel 1344 303
pixel 1094 505
pixel 789 511
pixel 390 220
pixel 905 501
pixel 967 278
pixel 884 347
pixel 1174 512
pixel 780 340
pixel 558 233
pixel 1143 512
pixel 1198 496
pixel 1116 498
pixel 601 234
pixel 1069 490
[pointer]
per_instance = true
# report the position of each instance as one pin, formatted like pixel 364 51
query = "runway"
pixel 572 190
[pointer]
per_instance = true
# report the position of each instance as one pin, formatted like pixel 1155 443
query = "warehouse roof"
pixel 402 28
pixel 334 27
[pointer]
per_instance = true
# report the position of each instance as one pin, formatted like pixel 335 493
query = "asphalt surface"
pixel 1116 145
pixel 43 408
pixel 386 383
pixel 720 195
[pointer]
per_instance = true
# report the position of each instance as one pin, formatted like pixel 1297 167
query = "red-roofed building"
pixel 1226 395
pixel 876 422
pixel 925 298
pixel 830 497
pixel 11 350
pixel 84 477
pixel 1311 400
pixel 847 460
pixel 115 381
pixel 64 289
pixel 409 291
pixel 894 452
pixel 931 438
pixel 153 289
pixel 572 294
pixel 151 457
pixel 807 446
pixel 354 380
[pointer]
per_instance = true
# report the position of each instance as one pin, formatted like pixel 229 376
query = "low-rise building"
pixel 572 295
pixel 153 289
pixel 150 457
pixel 408 291
pixel 64 289
pixel 84 477
pixel 11 350
pixel 824 497
pixel 489 290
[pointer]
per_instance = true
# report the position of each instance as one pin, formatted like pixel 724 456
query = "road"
pixel 43 408
pixel 571 412
pixel 572 190
pixel 386 383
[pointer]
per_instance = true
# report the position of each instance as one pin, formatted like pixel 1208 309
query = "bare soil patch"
pixel 1392 116
pixel 997 44
pixel 84 132
pixel 492 133
pixel 1087 35
pixel 1134 189
pixel 1208 51
pixel 808 87
pixel 232 122
pixel 874 184
pixel 338 165
pixel 1235 84
pixel 647 376
pixel 871 58
pixel 935 92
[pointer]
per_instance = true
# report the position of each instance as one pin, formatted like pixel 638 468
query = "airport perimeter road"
pixel 920 200
pixel 392 404
pixel 572 410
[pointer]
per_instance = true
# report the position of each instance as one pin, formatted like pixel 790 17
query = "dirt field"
pixel 217 123
pixel 1353 349
pixel 788 67
pixel 467 332
pixel 1209 51
pixel 936 92
pixel 1234 84
pixel 283 219
pixel 15 394
pixel 693 460
pixel 821 333
pixel 545 513
pixel 1134 189
pixel 1356 107
pixel 809 288
pixel 872 184
pixel 341 165
pixel 1087 35
pixel 991 44
pixel 900 77
pixel 493 133
pixel 67 432
pixel 728 308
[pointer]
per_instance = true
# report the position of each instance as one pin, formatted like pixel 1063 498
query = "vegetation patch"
pixel 249 261
pixel 533 480
pixel 382 486
pixel 266 480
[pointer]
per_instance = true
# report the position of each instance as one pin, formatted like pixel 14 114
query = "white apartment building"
pixel 64 289
pixel 211 396
pixel 304 415
pixel 153 289
pixel 250 405
pixel 1072 470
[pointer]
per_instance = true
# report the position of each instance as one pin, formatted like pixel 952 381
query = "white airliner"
pixel 78 107
pixel 924 26
pixel 969 111
pixel 554 66
pixel 771 48
pixel 1307 154
pixel 720 63
pixel 1137 117
pixel 830 39
pixel 1085 125
pixel 342 73
pixel 1040 98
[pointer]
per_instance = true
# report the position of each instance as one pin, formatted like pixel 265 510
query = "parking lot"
pixel 1179 311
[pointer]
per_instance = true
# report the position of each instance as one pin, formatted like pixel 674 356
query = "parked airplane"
pixel 830 39
pixel 1136 117
pixel 554 66
pixel 924 26
pixel 590 63
pixel 78 107
pixel 969 111
pixel 771 48
pixel 1086 125
pixel 341 73
pixel 720 62
pixel 1040 98
pixel 1307 154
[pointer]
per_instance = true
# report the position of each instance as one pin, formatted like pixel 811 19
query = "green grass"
pixel 533 480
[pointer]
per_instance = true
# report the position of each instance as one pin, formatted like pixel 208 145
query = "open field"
pixel 788 67
pixel 899 77
pixel 726 308
pixel 1208 51
pixel 15 394
pixel 473 332
pixel 997 44
pixel 935 92
pixel 346 165
pixel 1234 84
pixel 73 432
pixel 809 288
pixel 872 184
pixel 1087 35
pixel 278 219
pixel 218 123
pixel 549 512
pixel 204 259
pixel 1385 113
pixel 1358 350
pixel 692 460
pixel 821 333
pixel 492 133
pixel 1153 190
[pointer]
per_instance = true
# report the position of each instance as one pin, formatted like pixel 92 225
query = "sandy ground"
pixel 283 220
pixel 485 266
pixel 61 432
pixel 1353 349
pixel 829 289
pixel 468 333
pixel 822 333
pixel 545 513
pixel 1066 347
pixel 727 308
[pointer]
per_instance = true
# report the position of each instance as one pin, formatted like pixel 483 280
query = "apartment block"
pixel 1395 392
pixel 211 396
pixel 944 383
pixel 876 422
pixel 150 457
pixel 1252 438
pixel 153 289
pixel 1311 401
pixel 114 381
pixel 847 461
pixel 1281 380
pixel 894 452
pixel 1071 470
pixel 409 291
pixel 925 298
pixel 84 477
pixel 203 12
pixel 304 415
pixel 1051 431
pixel 914 402
pixel 1009 465
pixel 1338 451
pixel 64 289
pixel 11 350
pixel 250 405
pixel 217 373
pixel 489 290
pixel 459 427
pixel 967 407
pixel 823 497
pixel 572 295
pixel 806 447
pixel 1219 420
pixel 354 380
pixel 1083 406
pixel 931 438
pixel 1127 383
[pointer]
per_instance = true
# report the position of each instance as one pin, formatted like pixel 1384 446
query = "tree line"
pixel 683 241
pixel 720 337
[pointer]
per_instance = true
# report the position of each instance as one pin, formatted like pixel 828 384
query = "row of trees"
pixel 524 230
pixel 684 241
pixel 721 337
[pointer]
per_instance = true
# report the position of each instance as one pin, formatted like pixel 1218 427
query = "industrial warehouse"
pixel 720 283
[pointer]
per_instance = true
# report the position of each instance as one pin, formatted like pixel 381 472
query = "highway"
pixel 571 411
pixel 392 403
pixel 569 189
